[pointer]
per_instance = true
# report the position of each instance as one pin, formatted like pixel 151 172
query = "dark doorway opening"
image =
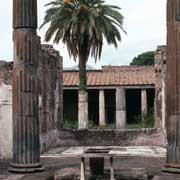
pixel 70 107
pixel 133 106
pixel 110 106
pixel 150 99
pixel 93 106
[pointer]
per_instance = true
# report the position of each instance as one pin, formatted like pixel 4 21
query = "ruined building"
pixel 139 88
pixel 120 95
pixel 49 73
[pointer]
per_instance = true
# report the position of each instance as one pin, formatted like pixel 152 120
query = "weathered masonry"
pixel 103 104
pixel 25 89
pixel 160 86
pixel 49 78
pixel 113 93
pixel 118 95
pixel 35 114
pixel 173 86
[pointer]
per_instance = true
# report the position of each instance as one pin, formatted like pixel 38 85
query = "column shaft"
pixel 120 108
pixel 26 150
pixel 173 87
pixel 101 108
pixel 143 103
pixel 24 14
pixel 83 110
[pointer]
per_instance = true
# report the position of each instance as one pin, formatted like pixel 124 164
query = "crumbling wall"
pixel 50 96
pixel 112 137
pixel 160 90
pixel 50 100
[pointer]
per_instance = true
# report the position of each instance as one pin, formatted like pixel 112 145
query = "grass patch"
pixel 70 124
pixel 92 125
pixel 147 122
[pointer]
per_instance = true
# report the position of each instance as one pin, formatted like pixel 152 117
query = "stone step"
pixel 39 176
pixel 167 176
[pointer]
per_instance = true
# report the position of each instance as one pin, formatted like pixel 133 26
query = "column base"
pixel 26 168
pixel 171 169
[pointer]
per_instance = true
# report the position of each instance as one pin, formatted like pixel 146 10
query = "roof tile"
pixel 113 76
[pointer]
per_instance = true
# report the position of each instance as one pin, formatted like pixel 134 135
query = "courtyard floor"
pixel 64 163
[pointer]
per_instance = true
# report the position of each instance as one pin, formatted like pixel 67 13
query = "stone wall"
pixel 50 100
pixel 112 137
pixel 160 81
pixel 5 109
pixel 50 96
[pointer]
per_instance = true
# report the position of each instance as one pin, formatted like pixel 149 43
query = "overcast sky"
pixel 145 22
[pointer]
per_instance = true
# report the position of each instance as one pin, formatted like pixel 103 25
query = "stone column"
pixel 101 108
pixel 26 150
pixel 120 108
pixel 83 110
pixel 143 103
pixel 173 87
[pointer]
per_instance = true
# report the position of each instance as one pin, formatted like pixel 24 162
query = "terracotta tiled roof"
pixel 113 76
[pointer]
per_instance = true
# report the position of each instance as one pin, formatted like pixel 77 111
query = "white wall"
pixel 5 120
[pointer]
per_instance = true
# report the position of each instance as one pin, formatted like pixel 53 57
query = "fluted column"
pixel 120 108
pixel 143 103
pixel 24 14
pixel 173 87
pixel 26 150
pixel 101 108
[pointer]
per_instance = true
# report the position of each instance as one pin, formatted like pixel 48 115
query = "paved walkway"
pixel 67 160
pixel 123 151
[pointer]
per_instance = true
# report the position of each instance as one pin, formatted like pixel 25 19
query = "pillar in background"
pixel 120 108
pixel 173 87
pixel 101 108
pixel 143 103
pixel 83 110
pixel 26 150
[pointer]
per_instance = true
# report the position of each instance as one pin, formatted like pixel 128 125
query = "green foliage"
pixel 148 121
pixel 134 126
pixel 68 124
pixel 92 125
pixel 143 59
pixel 83 25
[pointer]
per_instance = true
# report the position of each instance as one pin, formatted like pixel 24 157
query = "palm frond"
pixel 83 25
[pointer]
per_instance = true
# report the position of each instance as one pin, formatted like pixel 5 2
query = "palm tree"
pixel 83 25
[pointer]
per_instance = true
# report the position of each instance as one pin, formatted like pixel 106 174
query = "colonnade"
pixel 120 108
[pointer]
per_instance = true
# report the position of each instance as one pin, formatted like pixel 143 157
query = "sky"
pixel 144 21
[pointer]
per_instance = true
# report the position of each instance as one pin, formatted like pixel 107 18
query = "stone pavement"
pixel 59 165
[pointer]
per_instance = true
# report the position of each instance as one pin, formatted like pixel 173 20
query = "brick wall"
pixel 50 100
pixel 160 81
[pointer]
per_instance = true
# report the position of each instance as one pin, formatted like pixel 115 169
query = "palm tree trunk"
pixel 83 95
